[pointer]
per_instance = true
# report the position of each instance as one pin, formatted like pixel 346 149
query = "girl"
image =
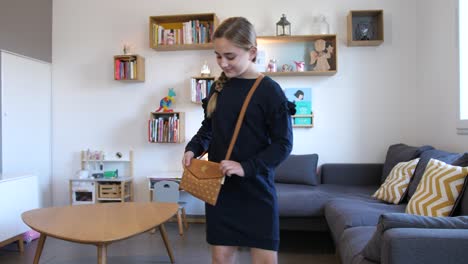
pixel 246 213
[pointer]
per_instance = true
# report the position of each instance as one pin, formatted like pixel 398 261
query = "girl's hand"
pixel 188 156
pixel 230 167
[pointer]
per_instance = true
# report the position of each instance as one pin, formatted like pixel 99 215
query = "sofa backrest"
pixel 351 173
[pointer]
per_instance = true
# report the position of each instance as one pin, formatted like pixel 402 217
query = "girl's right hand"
pixel 188 156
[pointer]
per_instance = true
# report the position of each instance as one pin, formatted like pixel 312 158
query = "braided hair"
pixel 242 34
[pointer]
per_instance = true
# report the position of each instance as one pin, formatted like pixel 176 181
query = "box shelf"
pixel 374 21
pixel 186 31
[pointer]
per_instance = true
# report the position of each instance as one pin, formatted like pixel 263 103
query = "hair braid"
pixel 214 97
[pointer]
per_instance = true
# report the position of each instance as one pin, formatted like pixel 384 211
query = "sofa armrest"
pixel 424 245
pixel 351 174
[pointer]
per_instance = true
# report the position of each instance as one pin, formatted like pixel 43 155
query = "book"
pixel 302 98
pixel 303 107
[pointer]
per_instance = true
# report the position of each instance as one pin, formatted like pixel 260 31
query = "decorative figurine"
pixel 167 101
pixel 286 68
pixel 320 55
pixel 126 49
pixel 271 66
pixel 363 31
pixel 300 66
pixel 205 70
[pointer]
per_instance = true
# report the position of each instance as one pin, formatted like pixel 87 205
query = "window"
pixel 463 62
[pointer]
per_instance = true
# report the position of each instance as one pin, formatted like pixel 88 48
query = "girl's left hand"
pixel 230 168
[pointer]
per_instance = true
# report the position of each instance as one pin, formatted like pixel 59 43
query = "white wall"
pixel 358 112
pixel 436 92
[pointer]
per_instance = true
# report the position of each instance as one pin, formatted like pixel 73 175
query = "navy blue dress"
pixel 246 213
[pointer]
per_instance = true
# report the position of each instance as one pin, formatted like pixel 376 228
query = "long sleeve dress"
pixel 246 213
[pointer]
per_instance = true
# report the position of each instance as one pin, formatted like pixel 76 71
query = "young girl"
pixel 246 213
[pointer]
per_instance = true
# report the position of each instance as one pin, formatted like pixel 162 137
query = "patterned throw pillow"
pixel 440 186
pixel 395 185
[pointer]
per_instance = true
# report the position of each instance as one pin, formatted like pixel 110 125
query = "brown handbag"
pixel 203 178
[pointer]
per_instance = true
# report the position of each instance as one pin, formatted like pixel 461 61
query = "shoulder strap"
pixel 241 116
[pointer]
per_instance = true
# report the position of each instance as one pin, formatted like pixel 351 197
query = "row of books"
pixel 164 129
pixel 190 32
pixel 200 89
pixel 125 69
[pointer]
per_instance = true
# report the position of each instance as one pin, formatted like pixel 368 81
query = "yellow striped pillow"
pixel 438 190
pixel 395 185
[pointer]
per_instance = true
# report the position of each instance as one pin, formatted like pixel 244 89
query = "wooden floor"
pixel 296 247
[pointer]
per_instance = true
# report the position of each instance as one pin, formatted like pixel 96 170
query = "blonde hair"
pixel 241 33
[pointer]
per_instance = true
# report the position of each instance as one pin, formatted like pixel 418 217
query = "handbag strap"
pixel 241 116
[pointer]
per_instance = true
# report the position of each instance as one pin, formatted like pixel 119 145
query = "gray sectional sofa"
pixel 338 199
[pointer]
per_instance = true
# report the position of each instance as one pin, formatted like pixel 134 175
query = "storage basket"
pixel 110 191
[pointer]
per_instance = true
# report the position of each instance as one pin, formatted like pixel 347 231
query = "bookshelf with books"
pixel 166 127
pixel 318 53
pixel 200 88
pixel 182 32
pixel 129 68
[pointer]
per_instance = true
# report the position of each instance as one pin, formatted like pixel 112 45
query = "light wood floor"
pixel 296 247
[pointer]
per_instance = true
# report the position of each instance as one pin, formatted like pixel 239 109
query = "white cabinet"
pixel 17 195
pixel 25 134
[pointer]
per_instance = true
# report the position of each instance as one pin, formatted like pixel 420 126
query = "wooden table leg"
pixel 162 230
pixel 21 244
pixel 102 253
pixel 39 248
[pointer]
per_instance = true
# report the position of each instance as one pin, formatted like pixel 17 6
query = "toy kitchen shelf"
pixel 287 49
pixel 103 189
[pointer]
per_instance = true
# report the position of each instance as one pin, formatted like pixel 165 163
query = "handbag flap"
pixel 204 169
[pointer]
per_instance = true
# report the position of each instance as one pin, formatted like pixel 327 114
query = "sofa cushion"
pixel 298 200
pixel 342 214
pixel 352 242
pixel 387 221
pixel 441 155
pixel 439 189
pixel 399 153
pixel 394 187
pixel 298 169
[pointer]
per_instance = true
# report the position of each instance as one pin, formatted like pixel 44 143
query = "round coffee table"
pixel 100 224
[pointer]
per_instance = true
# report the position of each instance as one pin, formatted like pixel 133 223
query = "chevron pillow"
pixel 395 185
pixel 439 189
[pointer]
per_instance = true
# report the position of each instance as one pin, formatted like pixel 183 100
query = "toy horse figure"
pixel 167 101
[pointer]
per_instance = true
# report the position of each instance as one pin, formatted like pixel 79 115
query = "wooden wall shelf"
pixel 374 20
pixel 164 128
pixel 129 68
pixel 200 37
pixel 200 88
pixel 287 49
pixel 311 116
